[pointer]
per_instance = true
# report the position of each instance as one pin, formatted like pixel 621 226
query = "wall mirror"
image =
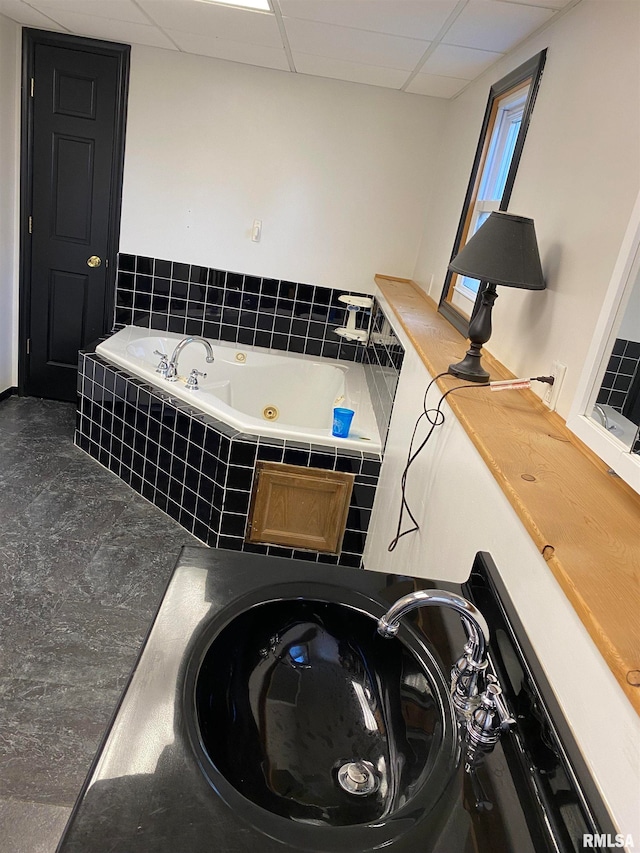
pixel 606 411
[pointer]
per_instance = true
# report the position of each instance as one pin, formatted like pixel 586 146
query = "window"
pixel 492 177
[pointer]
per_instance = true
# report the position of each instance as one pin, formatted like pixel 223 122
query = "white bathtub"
pixel 246 383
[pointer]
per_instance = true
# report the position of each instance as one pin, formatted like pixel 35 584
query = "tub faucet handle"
pixel 163 366
pixel 192 381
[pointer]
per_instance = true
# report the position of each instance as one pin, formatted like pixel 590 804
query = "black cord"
pixel 410 457
pixel 435 418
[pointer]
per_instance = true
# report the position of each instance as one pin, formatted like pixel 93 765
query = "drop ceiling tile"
pixel 436 86
pixel 496 26
pixel 411 18
pixel 118 10
pixel 462 62
pixel 235 51
pixel 353 45
pixel 547 4
pixel 210 20
pixel 355 72
pixel 24 14
pixel 120 31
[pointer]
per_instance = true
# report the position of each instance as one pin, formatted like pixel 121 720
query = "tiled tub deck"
pixel 199 470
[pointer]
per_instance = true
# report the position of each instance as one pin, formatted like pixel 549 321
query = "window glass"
pixel 496 161
pixel 493 178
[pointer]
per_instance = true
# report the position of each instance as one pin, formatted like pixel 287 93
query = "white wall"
pixel 578 178
pixel 339 173
pixel 448 482
pixel 342 174
pixel 9 130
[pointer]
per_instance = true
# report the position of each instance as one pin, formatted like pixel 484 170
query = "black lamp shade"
pixel 504 251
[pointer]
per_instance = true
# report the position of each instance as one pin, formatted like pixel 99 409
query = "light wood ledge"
pixel 584 521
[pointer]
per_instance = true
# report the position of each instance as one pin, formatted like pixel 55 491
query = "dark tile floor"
pixel 83 565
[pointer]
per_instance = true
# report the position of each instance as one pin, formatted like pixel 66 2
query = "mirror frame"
pixel 625 272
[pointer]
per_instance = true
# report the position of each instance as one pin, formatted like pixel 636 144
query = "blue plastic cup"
pixel 342 422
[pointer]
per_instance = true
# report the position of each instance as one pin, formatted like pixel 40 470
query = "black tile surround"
pixel 621 369
pixel 230 306
pixel 282 315
pixel 198 470
pixel 382 359
pixel 193 467
pixel 620 381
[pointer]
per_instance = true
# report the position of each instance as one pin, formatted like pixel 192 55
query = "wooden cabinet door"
pixel 299 507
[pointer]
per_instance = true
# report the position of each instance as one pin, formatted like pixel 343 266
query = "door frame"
pixel 30 39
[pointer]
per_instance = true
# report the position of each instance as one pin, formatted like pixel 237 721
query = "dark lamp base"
pixel 479 333
pixel 470 369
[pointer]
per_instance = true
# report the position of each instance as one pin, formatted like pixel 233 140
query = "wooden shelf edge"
pixel 579 517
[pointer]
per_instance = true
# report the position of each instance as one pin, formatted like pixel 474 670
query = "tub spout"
pixel 599 410
pixel 172 371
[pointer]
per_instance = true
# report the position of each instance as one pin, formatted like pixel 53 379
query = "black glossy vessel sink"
pixel 306 712
pixel 261 675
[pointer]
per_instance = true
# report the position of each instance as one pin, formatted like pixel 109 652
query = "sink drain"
pixel 358 777
pixel 270 413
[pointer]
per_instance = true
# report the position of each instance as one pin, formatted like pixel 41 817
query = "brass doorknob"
pixel 93 261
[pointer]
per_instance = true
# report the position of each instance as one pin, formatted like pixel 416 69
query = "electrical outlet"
pixel 552 392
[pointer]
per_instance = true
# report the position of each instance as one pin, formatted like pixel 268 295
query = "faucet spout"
pixel 467 670
pixel 475 695
pixel 599 410
pixel 172 371
pixel 473 621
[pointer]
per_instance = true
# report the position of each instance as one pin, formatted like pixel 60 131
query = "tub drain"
pixel 270 413
pixel 358 777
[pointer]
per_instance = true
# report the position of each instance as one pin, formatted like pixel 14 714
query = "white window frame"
pixel 581 421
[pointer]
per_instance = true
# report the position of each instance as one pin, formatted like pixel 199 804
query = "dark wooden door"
pixel 75 179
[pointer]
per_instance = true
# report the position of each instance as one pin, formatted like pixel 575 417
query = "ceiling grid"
pixel 425 47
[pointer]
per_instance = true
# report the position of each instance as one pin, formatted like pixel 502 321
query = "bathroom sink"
pixel 263 683
pixel 303 714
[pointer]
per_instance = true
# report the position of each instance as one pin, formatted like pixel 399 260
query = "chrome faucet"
pixel 172 369
pixel 484 710
pixel 603 415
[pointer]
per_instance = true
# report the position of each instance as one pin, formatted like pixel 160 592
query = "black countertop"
pixel 147 792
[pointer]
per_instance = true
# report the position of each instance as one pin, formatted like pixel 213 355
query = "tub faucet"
pixel 599 410
pixel 484 710
pixel 172 370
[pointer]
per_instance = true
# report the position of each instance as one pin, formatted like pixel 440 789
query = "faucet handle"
pixel 481 728
pixel 192 381
pixel 467 679
pixel 497 696
pixel 163 367
pixel 491 717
